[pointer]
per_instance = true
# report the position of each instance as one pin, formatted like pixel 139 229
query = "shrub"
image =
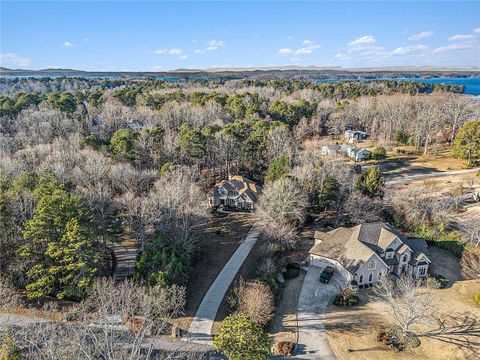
pixel 295 266
pixel 284 348
pixel 162 264
pixel 379 153
pixel 291 273
pixel 401 137
pixel 8 349
pixel 442 280
pixel 256 301
pixel 395 338
pixel 477 299
pixel 240 338
pixel 272 283
pixel 346 298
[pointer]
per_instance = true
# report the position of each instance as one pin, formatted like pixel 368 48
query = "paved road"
pixel 312 303
pixel 201 326
pixel 405 179
pixel 7 320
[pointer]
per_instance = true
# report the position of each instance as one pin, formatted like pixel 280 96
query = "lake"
pixel 472 85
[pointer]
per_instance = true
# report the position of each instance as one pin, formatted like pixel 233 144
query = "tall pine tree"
pixel 60 245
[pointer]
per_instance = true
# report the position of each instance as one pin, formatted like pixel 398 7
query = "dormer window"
pixel 371 265
pixel 389 254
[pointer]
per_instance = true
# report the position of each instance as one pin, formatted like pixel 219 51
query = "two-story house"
pixel 237 192
pixel 367 252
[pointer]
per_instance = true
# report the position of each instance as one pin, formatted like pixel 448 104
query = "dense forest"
pixel 87 163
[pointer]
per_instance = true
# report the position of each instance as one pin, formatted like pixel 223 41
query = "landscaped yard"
pixel 355 328
pixel 220 237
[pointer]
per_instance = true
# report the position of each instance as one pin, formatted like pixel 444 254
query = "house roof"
pixel 419 248
pixel 352 247
pixel 240 184
pixel 341 245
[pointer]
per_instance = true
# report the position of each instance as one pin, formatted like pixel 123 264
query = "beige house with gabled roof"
pixel 367 252
pixel 237 192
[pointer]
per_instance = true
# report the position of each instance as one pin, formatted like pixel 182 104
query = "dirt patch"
pixel 457 338
pixel 220 237
pixel 414 162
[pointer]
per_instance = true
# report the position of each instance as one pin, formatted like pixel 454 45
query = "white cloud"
pixel 307 49
pixel 476 30
pixel 303 51
pixel 183 57
pixel 215 44
pixel 199 51
pixel 174 51
pixel 421 36
pixel 362 41
pixel 408 50
pixel 67 44
pixel 290 37
pixel 10 59
pixel 285 51
pixel 171 51
pixel 453 47
pixel 461 37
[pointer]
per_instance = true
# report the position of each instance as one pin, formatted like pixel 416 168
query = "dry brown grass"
pixel 354 328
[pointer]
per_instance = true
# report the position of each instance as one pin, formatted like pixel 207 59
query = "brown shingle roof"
pixel 352 247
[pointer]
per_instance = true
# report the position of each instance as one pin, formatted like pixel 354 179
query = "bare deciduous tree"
pixel 116 321
pixel 282 206
pixel 408 302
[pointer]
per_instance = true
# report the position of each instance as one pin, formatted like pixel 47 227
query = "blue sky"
pixel 165 35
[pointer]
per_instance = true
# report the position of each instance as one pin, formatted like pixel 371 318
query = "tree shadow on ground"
pixel 463 332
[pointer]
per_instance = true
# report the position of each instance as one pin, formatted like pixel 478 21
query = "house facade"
pixel 237 193
pixel 352 136
pixel 368 252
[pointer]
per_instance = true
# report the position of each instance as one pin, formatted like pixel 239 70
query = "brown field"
pixel 355 328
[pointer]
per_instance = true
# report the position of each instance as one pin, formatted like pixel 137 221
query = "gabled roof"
pixel 240 184
pixel 352 247
pixel 419 250
pixel 342 245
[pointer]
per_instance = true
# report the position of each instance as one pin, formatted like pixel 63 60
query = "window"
pixel 370 277
pixel 360 280
pixel 422 271
pixel 389 255
pixel 379 275
pixel 371 265
pixel 405 257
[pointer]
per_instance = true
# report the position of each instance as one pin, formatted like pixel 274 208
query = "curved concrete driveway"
pixel 312 303
pixel 200 329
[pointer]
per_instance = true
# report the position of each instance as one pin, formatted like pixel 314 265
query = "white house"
pixel 360 154
pixel 237 193
pixel 330 150
pixel 365 253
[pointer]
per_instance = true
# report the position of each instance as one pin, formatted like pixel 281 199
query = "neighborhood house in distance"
pixel 365 253
pixel 237 193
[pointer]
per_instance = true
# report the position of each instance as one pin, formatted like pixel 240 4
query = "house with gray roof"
pixel 237 193
pixel 367 252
